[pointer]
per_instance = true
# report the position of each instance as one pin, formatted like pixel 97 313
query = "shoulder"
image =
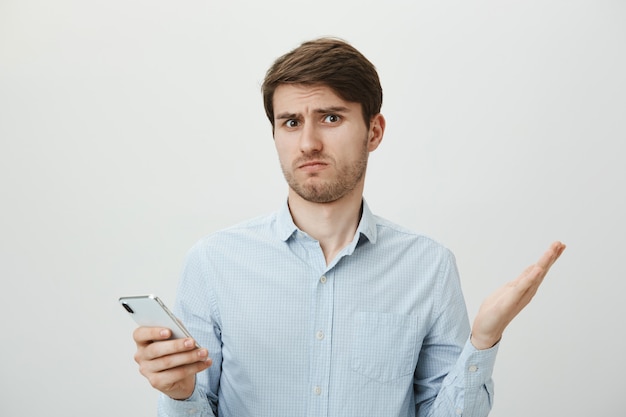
pixel 408 245
pixel 392 230
pixel 257 229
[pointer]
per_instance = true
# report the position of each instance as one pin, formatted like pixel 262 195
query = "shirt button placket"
pixel 321 354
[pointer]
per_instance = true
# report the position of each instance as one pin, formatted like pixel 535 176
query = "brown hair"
pixel 331 62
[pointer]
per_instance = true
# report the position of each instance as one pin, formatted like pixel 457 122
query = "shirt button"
pixel 317 390
pixel 319 335
pixel 459 411
pixel 473 368
pixel 323 279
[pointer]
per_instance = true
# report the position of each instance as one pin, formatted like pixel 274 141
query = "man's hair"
pixel 331 62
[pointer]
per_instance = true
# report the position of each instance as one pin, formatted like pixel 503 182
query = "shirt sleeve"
pixel 468 389
pixel 195 307
pixel 453 378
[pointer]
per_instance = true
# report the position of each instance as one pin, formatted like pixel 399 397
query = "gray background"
pixel 129 129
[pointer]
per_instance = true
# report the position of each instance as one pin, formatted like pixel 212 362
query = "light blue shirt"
pixel 381 331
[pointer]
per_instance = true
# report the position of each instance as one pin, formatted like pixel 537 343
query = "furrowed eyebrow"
pixel 333 109
pixel 324 110
pixel 285 116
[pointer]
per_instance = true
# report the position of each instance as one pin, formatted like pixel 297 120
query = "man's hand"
pixel 501 307
pixel 169 365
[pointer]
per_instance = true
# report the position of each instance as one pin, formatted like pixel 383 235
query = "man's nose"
pixel 310 140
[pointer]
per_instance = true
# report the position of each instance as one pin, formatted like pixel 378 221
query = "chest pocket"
pixel 385 345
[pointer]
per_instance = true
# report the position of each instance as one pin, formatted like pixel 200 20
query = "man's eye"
pixel 331 118
pixel 291 123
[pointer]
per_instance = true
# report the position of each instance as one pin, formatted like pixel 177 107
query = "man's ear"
pixel 376 132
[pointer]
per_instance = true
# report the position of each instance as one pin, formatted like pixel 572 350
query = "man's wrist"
pixel 484 343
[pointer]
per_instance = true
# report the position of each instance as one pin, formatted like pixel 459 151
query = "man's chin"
pixel 319 196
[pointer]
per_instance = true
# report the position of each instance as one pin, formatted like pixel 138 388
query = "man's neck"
pixel 333 225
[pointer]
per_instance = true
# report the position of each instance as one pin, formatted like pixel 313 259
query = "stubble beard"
pixel 346 180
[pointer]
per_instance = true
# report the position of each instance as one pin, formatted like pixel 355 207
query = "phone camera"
pixel 127 307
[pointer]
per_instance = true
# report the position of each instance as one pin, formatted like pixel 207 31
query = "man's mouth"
pixel 312 167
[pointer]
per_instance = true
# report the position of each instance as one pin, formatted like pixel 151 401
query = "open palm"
pixel 504 304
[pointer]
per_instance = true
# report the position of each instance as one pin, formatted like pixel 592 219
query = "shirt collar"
pixel 286 227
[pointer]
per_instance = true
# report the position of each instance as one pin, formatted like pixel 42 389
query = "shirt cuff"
pixel 196 405
pixel 477 364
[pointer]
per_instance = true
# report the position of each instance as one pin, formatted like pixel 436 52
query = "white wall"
pixel 129 129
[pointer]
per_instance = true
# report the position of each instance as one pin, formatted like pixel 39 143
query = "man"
pixel 323 308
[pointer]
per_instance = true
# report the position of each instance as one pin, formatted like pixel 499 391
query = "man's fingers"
pixel 154 350
pixel 531 278
pixel 145 335
pixel 551 255
pixel 169 364
pixel 174 360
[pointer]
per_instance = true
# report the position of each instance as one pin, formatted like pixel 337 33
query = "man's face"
pixel 322 141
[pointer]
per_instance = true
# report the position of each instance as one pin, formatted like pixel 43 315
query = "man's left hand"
pixel 501 307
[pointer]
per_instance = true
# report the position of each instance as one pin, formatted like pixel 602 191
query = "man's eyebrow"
pixel 286 116
pixel 332 109
pixel 322 110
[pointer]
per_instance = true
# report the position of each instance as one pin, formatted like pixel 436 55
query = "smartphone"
pixel 149 310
